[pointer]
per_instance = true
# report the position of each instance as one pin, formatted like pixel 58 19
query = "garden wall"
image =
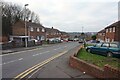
pixel 107 72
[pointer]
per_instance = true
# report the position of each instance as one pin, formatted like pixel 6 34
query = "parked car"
pixel 37 42
pixel 106 49
pixel 81 41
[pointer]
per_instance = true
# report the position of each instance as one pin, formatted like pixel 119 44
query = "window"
pixel 43 30
pixel 31 29
pixel 98 45
pixel 38 29
pixel 100 34
pixel 47 34
pixel 106 30
pixel 113 45
pixel 105 45
pixel 110 29
pixel 42 38
pixel 114 29
pixel 103 34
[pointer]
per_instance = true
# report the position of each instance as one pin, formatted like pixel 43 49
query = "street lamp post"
pixel 25 27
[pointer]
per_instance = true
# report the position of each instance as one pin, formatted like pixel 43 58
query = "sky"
pixel 72 15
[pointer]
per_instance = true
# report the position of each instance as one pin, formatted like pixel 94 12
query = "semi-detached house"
pixel 52 34
pixel 112 32
pixel 34 30
pixel 64 36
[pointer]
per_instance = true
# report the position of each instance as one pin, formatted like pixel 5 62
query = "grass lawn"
pixel 98 60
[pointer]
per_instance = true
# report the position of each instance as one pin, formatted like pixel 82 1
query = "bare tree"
pixel 12 13
pixel 36 19
pixel 32 16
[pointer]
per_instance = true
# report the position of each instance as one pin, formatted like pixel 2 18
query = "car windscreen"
pixel 98 45
pixel 113 45
pixel 105 45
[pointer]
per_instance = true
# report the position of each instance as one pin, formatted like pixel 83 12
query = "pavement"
pixel 22 49
pixel 12 50
pixel 59 68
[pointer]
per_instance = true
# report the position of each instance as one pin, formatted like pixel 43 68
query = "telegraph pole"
pixel 26 27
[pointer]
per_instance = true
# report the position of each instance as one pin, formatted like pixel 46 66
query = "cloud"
pixel 71 15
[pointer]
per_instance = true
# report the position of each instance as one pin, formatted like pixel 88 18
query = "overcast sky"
pixel 72 15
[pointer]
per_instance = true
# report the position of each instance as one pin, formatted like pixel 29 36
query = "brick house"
pixel 34 30
pixel 101 35
pixel 52 34
pixel 64 36
pixel 112 32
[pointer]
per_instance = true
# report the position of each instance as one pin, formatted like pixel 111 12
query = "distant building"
pixel 52 34
pixel 64 36
pixel 73 35
pixel 112 32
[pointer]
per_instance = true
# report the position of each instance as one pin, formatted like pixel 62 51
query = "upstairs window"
pixel 31 29
pixel 43 30
pixel 103 34
pixel 47 34
pixel 110 29
pixel 114 29
pixel 100 34
pixel 107 30
pixel 38 29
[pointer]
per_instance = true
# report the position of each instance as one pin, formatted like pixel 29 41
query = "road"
pixel 17 62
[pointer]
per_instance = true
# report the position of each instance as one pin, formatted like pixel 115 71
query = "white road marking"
pixel 57 48
pixel 40 53
pixel 45 52
pixel 20 59
pixel 65 46
pixel 13 61
pixel 4 63
pixel 19 52
pixel 35 54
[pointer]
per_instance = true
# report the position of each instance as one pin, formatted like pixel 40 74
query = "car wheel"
pixel 109 54
pixel 89 50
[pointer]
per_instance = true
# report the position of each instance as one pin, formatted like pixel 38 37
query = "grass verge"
pixel 98 60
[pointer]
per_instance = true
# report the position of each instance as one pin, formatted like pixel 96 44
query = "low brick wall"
pixel 77 50
pixel 107 72
pixel 110 72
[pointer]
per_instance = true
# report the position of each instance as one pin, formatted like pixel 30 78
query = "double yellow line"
pixel 32 69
